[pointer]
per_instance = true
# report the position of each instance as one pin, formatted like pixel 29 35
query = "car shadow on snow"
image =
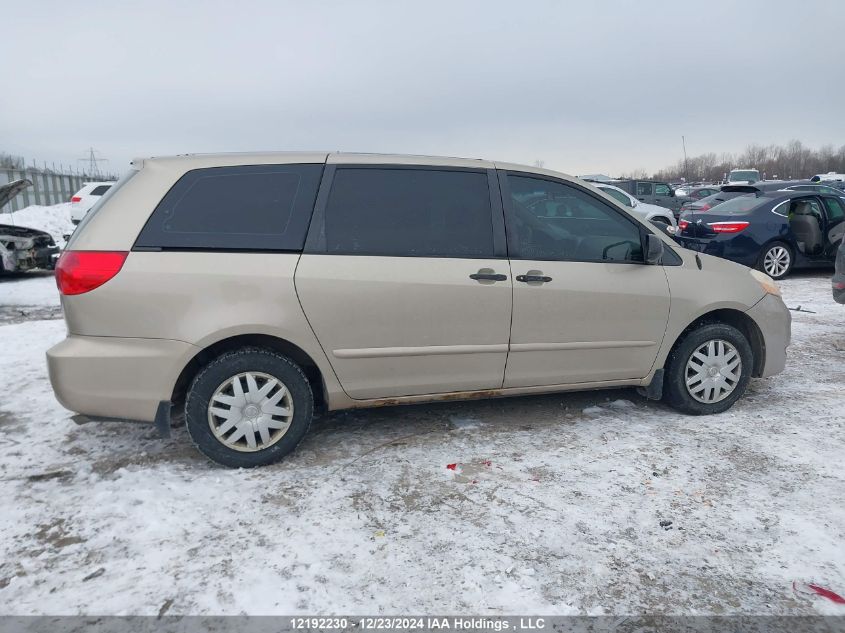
pixel 339 438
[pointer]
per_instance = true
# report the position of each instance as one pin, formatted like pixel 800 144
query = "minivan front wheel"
pixel 709 370
pixel 248 407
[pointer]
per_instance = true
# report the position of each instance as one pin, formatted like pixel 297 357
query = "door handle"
pixel 485 276
pixel 530 278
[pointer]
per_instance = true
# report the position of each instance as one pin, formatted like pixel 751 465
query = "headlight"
pixel 766 282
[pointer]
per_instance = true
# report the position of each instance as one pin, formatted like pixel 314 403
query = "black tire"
pixel 771 247
pixel 225 367
pixel 675 392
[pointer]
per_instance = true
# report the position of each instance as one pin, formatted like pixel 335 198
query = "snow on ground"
pixel 28 296
pixel 29 289
pixel 54 219
pixel 592 503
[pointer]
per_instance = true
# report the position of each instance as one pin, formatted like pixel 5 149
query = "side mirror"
pixel 653 249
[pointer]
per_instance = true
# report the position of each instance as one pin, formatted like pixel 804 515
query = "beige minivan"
pixel 248 290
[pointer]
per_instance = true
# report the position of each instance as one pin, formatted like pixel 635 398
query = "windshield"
pixel 618 195
pixel 751 174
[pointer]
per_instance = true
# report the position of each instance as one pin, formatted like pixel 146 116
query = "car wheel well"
pixel 741 322
pixel 281 346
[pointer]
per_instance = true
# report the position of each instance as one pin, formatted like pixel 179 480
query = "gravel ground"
pixel 593 503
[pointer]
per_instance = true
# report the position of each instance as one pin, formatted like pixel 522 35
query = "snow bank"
pixel 34 289
pixel 54 219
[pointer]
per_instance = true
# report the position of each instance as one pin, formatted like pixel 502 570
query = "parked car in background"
pixel 743 176
pixel 654 214
pixel 839 274
pixel 248 289
pixel 703 204
pixel 692 194
pixel 728 192
pixel 651 192
pixel 830 176
pixel 774 231
pixel 22 248
pixel 818 187
pixel 85 198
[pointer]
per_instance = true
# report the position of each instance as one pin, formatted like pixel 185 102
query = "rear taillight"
pixel 682 225
pixel 81 271
pixel 76 199
pixel 728 227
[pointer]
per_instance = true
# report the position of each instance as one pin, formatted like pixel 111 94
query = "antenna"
pixel 93 162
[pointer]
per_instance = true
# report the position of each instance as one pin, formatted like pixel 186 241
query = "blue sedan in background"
pixel 775 231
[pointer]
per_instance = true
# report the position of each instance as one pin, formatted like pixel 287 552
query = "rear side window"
pixel 644 189
pixel 409 212
pixel 246 207
pixel 100 190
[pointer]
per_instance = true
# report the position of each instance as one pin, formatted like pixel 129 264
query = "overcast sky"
pixel 583 86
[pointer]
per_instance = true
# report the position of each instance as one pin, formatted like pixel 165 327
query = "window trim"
pixel 315 241
pixel 510 222
pixel 775 208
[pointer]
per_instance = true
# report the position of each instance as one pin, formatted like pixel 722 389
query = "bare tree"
pixel 793 160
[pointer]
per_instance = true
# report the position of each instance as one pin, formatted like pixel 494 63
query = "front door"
pixel 835 215
pixel 662 195
pixel 585 306
pixel 405 279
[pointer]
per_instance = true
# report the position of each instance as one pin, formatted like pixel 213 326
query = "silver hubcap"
pixel 776 261
pixel 713 371
pixel 250 412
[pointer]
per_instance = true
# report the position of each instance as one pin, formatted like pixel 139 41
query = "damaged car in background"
pixel 22 248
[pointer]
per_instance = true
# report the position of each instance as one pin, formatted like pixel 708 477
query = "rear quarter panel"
pixel 199 298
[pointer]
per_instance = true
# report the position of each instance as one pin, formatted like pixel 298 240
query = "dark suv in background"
pixel 652 192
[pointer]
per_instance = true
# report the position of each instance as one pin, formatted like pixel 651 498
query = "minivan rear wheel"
pixel 248 408
pixel 708 370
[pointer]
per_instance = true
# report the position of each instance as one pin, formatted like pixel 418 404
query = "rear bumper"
pixel 116 378
pixel 775 322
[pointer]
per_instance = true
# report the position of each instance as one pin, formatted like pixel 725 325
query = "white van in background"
pixel 743 176
pixel 85 198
